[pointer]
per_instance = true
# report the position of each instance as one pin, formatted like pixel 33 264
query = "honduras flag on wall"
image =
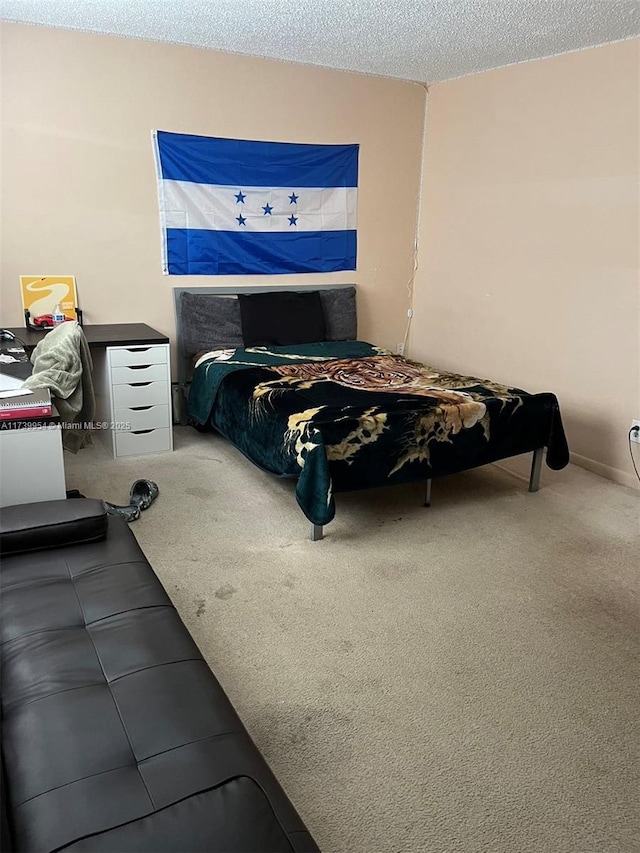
pixel 234 207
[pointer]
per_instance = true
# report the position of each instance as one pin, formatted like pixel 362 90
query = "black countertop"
pixel 100 335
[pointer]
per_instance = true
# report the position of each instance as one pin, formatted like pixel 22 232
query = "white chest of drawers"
pixel 133 399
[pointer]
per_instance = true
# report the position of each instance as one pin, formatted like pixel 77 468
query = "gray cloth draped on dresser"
pixel 62 363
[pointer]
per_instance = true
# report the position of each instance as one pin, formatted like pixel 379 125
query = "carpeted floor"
pixel 460 678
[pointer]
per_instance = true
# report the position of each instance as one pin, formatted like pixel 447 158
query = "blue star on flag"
pixel 293 198
pixel 240 197
pixel 241 219
pixel 293 220
pixel 267 209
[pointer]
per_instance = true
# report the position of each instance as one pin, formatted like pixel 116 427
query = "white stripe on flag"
pixel 218 208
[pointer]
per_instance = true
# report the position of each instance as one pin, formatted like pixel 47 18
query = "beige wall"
pixel 79 186
pixel 529 239
pixel 528 259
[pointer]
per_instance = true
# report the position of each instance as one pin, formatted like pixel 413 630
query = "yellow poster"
pixel 41 294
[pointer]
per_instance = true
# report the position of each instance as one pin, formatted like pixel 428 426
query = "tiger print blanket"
pixel 340 416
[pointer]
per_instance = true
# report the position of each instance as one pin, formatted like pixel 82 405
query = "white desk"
pixel 132 380
pixel 31 463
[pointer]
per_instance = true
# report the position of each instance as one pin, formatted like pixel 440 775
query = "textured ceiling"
pixel 422 40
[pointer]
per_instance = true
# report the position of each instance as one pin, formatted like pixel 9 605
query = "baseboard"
pixel 519 466
pixel 516 466
pixel 615 474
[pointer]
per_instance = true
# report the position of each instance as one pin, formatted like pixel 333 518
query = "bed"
pixel 339 414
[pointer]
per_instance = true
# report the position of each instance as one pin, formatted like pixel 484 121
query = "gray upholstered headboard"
pixel 209 317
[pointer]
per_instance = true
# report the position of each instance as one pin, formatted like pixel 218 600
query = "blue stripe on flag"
pixel 245 163
pixel 201 252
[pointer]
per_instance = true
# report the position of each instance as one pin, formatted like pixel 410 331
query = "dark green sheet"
pixel 340 416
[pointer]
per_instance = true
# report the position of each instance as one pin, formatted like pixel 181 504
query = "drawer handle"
pixel 138 349
pixel 138 384
pixel 139 408
pixel 141 431
pixel 138 366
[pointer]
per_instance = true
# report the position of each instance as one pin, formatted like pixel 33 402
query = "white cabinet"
pixel 133 398
pixel 31 462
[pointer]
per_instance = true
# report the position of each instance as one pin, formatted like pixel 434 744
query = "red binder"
pixel 35 404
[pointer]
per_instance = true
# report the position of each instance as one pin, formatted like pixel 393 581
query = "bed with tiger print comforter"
pixel 339 416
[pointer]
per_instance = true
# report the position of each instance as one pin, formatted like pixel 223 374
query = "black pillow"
pixel 281 318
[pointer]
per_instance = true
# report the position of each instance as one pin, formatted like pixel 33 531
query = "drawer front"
pixel 140 373
pixel 137 443
pixel 147 394
pixel 127 356
pixel 149 417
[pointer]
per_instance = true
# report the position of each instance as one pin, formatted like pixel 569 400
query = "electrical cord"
pixel 410 283
pixel 410 295
pixel 6 335
pixel 633 430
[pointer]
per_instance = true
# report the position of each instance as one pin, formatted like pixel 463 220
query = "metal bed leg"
pixel 427 493
pixel 536 467
pixel 182 395
pixel 316 532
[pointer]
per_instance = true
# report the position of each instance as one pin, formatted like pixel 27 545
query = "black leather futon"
pixel 116 736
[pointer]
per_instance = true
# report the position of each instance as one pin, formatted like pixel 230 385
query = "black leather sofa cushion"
pixel 116 735
pixel 51 524
pixel 225 806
